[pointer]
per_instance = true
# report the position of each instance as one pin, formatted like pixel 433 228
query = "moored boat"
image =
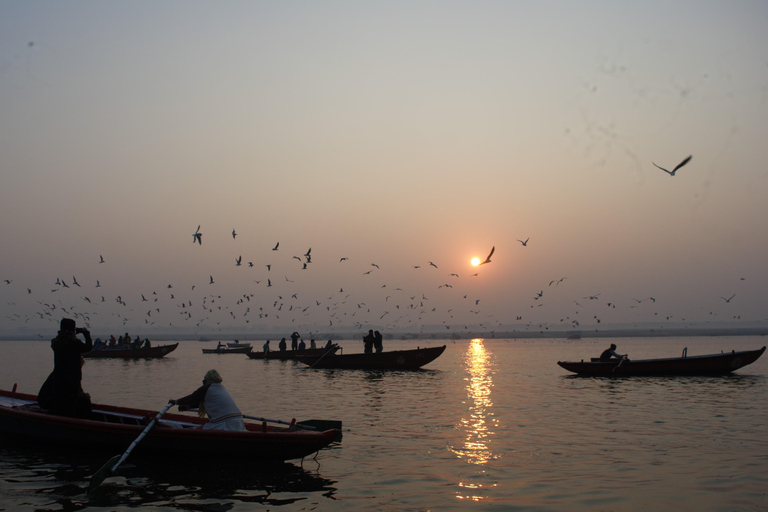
pixel 131 353
pixel 237 344
pixel 710 364
pixel 286 355
pixel 394 360
pixel 114 428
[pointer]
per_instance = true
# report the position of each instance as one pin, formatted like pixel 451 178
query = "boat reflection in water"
pixel 479 425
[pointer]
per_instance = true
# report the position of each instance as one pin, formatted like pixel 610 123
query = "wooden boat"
pixel 286 355
pixel 237 344
pixel 394 360
pixel 114 428
pixel 712 364
pixel 131 353
pixel 226 350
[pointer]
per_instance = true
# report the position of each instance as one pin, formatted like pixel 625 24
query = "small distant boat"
pixel 203 338
pixel 712 364
pixel 237 344
pixel 394 360
pixel 131 353
pixel 227 350
pixel 286 355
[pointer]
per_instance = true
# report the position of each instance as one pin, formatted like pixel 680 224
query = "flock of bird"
pixel 404 306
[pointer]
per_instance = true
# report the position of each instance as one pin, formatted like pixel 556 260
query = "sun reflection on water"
pixel 479 424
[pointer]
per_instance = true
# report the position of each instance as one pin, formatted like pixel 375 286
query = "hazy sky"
pixel 394 133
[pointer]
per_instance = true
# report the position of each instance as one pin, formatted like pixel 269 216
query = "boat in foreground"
pixel 114 428
pixel 394 360
pixel 711 364
pixel 286 355
pixel 132 353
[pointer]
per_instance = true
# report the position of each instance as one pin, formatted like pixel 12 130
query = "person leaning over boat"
pixel 213 399
pixel 62 392
pixel 610 353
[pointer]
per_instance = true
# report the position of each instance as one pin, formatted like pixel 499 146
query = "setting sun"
pixel 475 262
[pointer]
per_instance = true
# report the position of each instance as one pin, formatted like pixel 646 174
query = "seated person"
pixel 213 399
pixel 610 353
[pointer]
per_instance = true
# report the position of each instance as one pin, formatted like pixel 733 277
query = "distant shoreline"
pixel 545 334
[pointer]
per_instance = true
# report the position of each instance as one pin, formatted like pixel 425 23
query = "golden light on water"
pixel 476 426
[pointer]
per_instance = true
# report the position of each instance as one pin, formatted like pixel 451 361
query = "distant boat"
pixel 712 364
pixel 203 338
pixel 394 360
pixel 286 355
pixel 131 353
pixel 237 344
pixel 225 350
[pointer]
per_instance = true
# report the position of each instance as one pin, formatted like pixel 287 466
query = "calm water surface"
pixel 491 425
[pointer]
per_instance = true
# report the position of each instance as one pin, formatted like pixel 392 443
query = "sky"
pixel 393 134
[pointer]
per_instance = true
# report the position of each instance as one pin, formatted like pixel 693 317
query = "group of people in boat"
pixel 297 343
pixel 62 393
pixel 121 343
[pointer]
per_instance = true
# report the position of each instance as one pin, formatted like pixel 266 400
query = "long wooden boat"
pixel 286 355
pixel 394 360
pixel 224 350
pixel 114 428
pixel 711 364
pixel 131 353
pixel 237 344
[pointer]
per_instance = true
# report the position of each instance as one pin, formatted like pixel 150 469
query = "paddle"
pixel 332 350
pixel 112 464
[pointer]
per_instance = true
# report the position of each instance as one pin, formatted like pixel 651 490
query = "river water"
pixel 490 425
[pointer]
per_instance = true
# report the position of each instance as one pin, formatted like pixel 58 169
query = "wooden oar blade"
pixel 104 472
pixel 320 425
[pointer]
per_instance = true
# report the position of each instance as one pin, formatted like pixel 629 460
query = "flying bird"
pixel 197 236
pixel 488 259
pixel 101 258
pixel 233 233
pixel 672 173
pixel 525 244
pixel 275 247
pixel 343 259
pixel 211 280
pixel 433 264
pixel 729 298
pixel 238 261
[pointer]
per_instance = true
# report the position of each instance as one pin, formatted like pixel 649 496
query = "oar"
pixel 333 350
pixel 321 425
pixel 112 464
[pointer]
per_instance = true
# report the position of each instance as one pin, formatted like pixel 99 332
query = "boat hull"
pixel 712 364
pixel 394 360
pixel 176 434
pixel 131 353
pixel 286 354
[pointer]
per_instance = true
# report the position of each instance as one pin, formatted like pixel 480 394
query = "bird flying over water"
pixel 197 236
pixel 488 259
pixel 673 171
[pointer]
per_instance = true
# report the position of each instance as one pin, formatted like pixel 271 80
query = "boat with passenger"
pixel 115 428
pixel 128 352
pixel 710 364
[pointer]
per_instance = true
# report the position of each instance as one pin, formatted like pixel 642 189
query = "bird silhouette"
pixel 275 247
pixel 729 298
pixel 233 233
pixel 488 259
pixel 197 236
pixel 432 264
pixel 101 258
pixel 525 244
pixel 673 171
pixel 211 280
pixel 238 261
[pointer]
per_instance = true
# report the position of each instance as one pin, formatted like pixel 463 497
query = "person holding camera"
pixel 62 392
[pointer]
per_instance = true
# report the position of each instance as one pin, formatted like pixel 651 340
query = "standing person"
pixel 213 399
pixel 302 345
pixel 295 341
pixel 368 342
pixel 312 343
pixel 610 353
pixel 265 348
pixel 62 392
pixel 281 345
pixel 378 342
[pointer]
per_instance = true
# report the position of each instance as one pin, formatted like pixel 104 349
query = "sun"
pixel 475 262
